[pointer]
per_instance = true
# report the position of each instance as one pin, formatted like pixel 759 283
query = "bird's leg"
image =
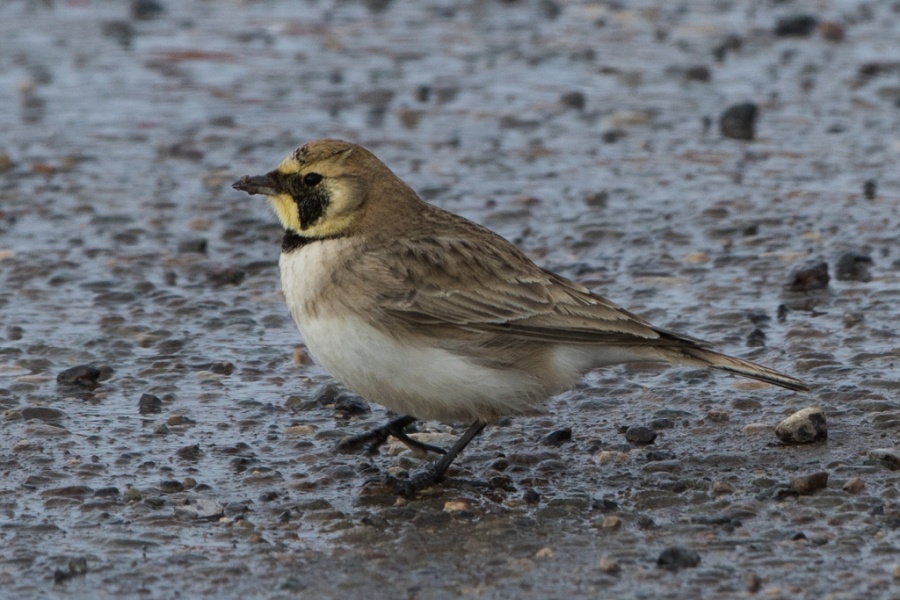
pixel 373 439
pixel 434 473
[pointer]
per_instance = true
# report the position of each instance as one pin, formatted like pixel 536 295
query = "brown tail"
pixel 743 368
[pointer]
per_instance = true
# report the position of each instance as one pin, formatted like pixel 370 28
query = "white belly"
pixel 407 376
pixel 415 379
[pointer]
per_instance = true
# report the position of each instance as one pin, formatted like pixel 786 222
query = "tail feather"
pixel 744 368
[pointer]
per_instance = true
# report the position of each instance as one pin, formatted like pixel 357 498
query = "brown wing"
pixel 480 282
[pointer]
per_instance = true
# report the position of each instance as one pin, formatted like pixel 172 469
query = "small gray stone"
pixel 853 266
pixel 739 121
pixel 808 484
pixel 171 486
pixel 85 376
pixel 890 457
pixel 640 435
pixel 803 427
pixel 674 558
pixel 200 508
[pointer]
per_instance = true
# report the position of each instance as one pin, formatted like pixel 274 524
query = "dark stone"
pixel 196 245
pixel 777 493
pixel 640 435
pixel 870 188
pixel 558 437
pixel 796 25
pixel 698 73
pixel 611 136
pixel 662 423
pixel 756 338
pixel 576 100
pixel 77 566
pixel 348 405
pixel 605 505
pixel 530 496
pixel 739 121
pixel 853 266
pixel 812 276
pixel 171 486
pixel 146 9
pixel 149 404
pixel 84 376
pixel 674 558
pixel 191 453
pixel 226 276
pixel 42 413
pixel 120 31
pixel 597 199
pixel 808 484
pixel 222 367
pixel 658 455
pixel 107 492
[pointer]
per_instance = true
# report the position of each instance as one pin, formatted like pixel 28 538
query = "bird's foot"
pixel 373 439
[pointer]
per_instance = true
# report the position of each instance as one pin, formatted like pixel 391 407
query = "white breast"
pixel 409 376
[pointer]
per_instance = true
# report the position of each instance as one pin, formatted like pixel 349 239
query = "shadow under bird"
pixel 435 317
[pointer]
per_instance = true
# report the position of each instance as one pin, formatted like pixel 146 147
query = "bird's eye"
pixel 312 179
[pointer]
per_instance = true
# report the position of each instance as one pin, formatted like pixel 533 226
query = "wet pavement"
pixel 191 452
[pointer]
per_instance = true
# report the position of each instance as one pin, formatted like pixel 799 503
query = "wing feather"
pixel 493 288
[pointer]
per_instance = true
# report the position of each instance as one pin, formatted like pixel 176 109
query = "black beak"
pixel 258 184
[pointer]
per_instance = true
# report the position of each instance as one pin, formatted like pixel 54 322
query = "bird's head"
pixel 321 188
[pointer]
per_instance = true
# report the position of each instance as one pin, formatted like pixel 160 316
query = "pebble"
pixel 171 486
pixel 720 487
pixel 739 121
pixel 718 416
pixel 69 491
pixel 854 486
pixel 348 405
pixel 853 266
pixel 545 552
pixel 456 506
pixel 574 99
pixel 870 189
pixel 200 508
pixel 611 522
pixel 890 457
pixel 149 404
pixel 808 484
pixel 663 423
pixel 193 246
pixel 558 437
pixel 77 566
pixel 42 413
pixel 608 565
pixel 803 427
pixel 191 453
pixel 608 456
pixel 756 428
pixel 85 376
pixel 833 31
pixel 796 25
pixel 146 9
pixel 640 435
pixel 674 558
pixel 810 276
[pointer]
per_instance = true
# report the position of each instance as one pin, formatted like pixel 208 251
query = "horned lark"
pixel 433 316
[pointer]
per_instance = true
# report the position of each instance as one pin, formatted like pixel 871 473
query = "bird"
pixel 435 317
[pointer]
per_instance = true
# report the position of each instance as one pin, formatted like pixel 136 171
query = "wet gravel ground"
pixel 190 452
